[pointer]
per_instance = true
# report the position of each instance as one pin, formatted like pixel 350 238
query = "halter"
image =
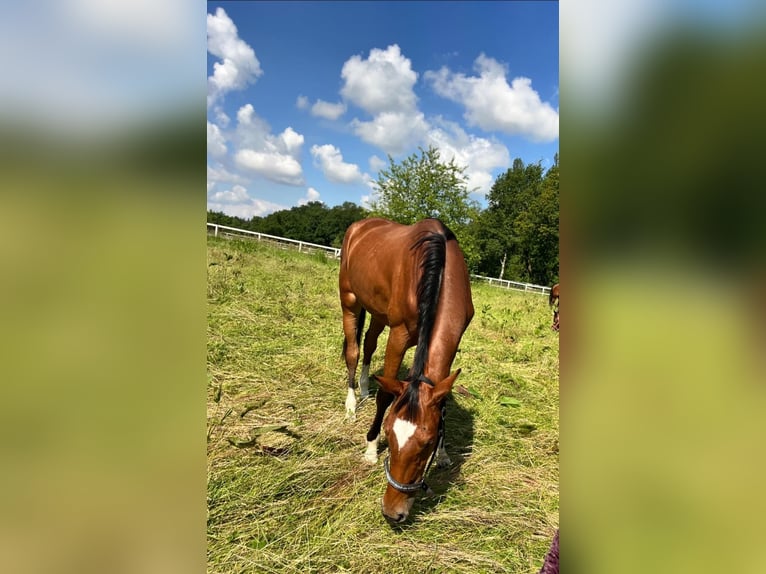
pixel 420 485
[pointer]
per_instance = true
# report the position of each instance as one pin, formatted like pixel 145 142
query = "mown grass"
pixel 288 490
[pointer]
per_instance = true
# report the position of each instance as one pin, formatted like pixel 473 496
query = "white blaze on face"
pixel 403 430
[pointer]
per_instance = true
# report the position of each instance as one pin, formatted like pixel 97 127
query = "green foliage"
pixel 313 222
pixel 422 186
pixel 521 225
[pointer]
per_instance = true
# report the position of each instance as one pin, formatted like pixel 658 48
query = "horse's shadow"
pixel 458 442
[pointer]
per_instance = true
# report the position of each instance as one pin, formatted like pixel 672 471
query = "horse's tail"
pixel 359 328
pixel 433 258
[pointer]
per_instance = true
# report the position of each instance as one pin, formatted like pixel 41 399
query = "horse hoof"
pixel 350 415
pixel 371 459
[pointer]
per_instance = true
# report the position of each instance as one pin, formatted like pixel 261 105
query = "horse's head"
pixel 413 432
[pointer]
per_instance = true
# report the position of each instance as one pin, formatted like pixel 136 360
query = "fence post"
pixel 216 231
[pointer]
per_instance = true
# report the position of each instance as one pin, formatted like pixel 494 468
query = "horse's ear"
pixel 445 386
pixel 390 385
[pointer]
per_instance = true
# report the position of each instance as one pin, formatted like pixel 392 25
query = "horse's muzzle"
pixel 395 520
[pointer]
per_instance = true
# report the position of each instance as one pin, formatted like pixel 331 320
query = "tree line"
pixel 516 237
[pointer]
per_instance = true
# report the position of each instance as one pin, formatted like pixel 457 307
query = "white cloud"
pixel 334 168
pixel 493 105
pixel 220 174
pixel 220 117
pixel 376 164
pixel 381 83
pixel 274 166
pixel 328 110
pixel 275 157
pixel 302 103
pixel 216 143
pixel 237 202
pixel 311 195
pixel 238 65
pixel 236 194
pixel 245 115
pixel 253 132
pixel 478 155
pixel 393 132
pixel 290 141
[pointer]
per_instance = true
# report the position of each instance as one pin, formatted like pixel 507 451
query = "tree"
pixel 421 186
pixel 517 234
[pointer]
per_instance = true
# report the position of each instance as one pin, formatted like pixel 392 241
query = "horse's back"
pixel 395 237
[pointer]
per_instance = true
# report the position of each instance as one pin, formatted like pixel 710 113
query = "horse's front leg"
pixel 382 402
pixel 398 343
pixel 442 458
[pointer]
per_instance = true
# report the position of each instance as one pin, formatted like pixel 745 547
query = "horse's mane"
pixel 433 257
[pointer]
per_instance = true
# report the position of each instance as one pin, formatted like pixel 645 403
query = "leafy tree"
pixel 422 186
pixel 517 234
pixel 333 226
pixel 313 222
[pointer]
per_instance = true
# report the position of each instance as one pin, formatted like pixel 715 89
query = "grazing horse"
pixel 413 279
pixel 554 298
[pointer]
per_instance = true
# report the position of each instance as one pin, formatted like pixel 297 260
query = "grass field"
pixel 288 490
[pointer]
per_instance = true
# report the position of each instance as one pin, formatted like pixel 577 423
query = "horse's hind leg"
pixel 370 344
pixel 351 326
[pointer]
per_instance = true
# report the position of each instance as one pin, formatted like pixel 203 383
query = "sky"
pixel 307 100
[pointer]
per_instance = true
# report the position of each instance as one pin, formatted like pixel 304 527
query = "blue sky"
pixel 306 100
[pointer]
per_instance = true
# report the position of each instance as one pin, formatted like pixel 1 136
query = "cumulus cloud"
pixel 330 160
pixel 381 83
pixel 237 202
pixel 393 132
pixel 220 174
pixel 376 164
pixel 321 109
pixel 237 66
pixel 494 105
pixel 236 194
pixel 328 110
pixel 275 166
pixel 216 143
pixel 275 157
pixel 311 195
pixel 220 117
pixel 478 155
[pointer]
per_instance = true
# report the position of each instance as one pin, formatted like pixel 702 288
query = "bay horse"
pixel 553 297
pixel 413 279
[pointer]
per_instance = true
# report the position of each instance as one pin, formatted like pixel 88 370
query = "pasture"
pixel 288 490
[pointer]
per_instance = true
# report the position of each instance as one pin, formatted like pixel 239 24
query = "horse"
pixel 413 279
pixel 553 297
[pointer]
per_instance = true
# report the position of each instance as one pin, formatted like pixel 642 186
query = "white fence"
pixel 305 247
pixel 516 285
pixel 302 246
